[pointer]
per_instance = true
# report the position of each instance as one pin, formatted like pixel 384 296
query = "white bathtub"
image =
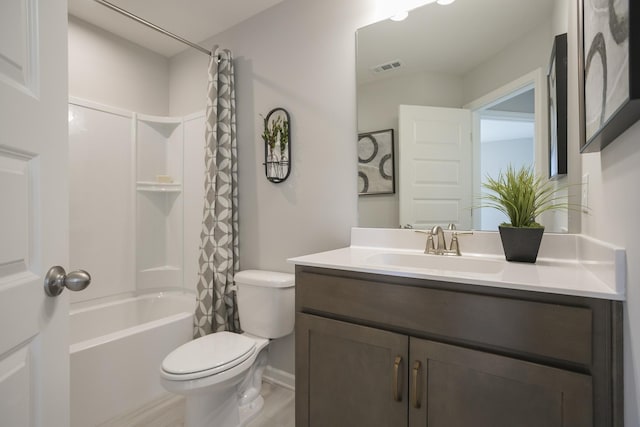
pixel 116 350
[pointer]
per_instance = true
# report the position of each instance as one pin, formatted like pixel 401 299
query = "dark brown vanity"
pixel 381 350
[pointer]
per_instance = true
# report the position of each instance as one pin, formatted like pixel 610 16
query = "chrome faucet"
pixel 441 247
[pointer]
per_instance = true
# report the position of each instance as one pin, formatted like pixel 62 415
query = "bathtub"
pixel 116 350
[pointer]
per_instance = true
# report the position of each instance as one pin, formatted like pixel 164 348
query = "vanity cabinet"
pixel 354 378
pixel 378 350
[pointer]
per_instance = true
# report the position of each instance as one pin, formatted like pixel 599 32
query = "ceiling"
pixel 194 20
pixel 451 39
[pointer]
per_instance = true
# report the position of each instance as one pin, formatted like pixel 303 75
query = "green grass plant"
pixel 522 196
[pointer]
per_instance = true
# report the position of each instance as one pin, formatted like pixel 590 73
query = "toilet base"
pixel 226 412
pixel 219 409
pixel 251 410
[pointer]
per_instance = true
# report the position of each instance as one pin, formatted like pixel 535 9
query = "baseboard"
pixel 279 377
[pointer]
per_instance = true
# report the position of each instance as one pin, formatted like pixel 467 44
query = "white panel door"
pixel 34 368
pixel 435 166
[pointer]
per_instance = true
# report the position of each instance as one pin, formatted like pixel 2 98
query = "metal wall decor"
pixel 277 145
pixel 557 98
pixel 609 58
pixel 376 173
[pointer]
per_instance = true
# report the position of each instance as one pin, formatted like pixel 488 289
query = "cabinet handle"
pixel 397 393
pixel 415 384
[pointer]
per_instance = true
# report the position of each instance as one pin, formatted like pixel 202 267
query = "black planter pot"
pixel 521 244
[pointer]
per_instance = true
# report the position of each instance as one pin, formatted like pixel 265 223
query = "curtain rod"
pixel 152 26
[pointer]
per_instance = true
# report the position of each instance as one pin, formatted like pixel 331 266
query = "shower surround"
pixel 135 215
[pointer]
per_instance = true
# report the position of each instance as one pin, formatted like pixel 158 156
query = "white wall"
pixel 110 70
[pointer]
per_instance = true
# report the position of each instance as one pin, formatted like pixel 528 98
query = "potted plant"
pixel 522 196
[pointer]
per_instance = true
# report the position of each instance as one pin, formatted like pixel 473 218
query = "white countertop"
pixel 597 270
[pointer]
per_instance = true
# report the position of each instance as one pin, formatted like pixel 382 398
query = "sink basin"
pixel 437 262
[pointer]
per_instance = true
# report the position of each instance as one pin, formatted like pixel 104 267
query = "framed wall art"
pixel 557 98
pixel 609 61
pixel 376 174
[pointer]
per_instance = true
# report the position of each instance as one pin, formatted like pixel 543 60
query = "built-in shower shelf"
pixel 161 268
pixel 159 187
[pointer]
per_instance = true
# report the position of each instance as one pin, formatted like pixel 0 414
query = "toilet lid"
pixel 213 353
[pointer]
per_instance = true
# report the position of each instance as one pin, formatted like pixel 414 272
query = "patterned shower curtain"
pixel 217 309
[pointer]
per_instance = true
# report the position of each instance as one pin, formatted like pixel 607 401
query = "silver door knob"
pixel 57 279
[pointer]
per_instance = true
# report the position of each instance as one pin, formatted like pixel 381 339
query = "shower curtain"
pixel 216 298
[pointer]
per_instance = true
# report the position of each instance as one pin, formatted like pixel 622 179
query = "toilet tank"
pixel 266 302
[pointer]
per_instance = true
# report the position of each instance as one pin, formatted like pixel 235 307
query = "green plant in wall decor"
pixel 270 133
pixel 522 196
pixel 284 138
pixel 276 133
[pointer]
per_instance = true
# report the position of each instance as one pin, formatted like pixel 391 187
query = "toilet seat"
pixel 208 355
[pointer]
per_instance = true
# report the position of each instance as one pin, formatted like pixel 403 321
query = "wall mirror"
pixel 471 70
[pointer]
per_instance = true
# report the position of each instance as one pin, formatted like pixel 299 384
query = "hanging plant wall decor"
pixel 277 145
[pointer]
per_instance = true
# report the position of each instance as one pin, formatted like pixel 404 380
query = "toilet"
pixel 220 374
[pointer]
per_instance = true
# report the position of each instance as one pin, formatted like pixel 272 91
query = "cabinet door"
pixel 457 387
pixel 349 375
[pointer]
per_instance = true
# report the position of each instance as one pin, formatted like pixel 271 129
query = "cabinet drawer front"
pixel 552 331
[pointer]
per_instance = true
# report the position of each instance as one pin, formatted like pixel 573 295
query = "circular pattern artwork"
pixel 375 163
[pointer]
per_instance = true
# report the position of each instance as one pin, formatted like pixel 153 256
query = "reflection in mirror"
pixel 464 86
pixel 507 136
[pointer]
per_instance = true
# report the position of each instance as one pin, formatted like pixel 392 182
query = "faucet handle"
pixel 430 247
pixel 454 246
pixel 451 226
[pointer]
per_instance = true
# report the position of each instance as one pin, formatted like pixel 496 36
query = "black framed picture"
pixel 557 99
pixel 608 48
pixel 376 173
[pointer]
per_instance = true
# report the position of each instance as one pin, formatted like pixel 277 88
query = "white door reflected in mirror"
pixel 435 166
